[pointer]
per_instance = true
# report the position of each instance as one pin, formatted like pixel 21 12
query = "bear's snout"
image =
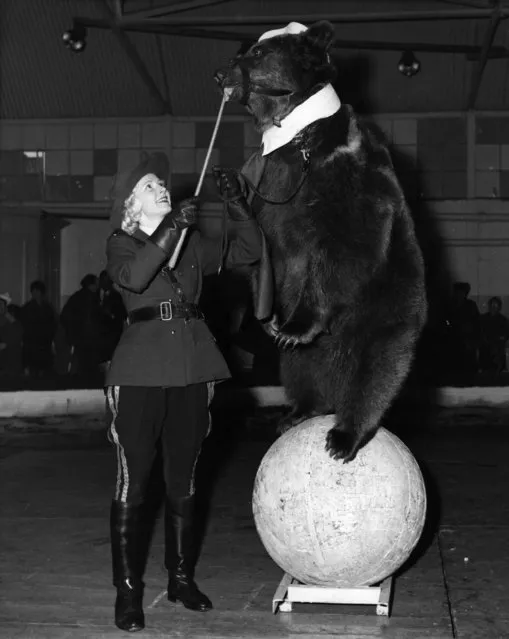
pixel 221 78
pixel 228 83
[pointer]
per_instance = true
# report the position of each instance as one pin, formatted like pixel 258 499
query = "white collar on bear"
pixel 321 105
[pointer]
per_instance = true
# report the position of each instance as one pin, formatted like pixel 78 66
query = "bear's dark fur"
pixel 350 297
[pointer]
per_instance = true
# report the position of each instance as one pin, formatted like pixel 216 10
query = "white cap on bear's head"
pixel 292 28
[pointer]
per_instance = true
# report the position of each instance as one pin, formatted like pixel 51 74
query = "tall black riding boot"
pixel 180 557
pixel 128 550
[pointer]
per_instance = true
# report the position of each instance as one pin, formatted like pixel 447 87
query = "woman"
pixel 162 373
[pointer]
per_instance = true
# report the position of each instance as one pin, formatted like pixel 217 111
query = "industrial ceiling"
pixel 136 58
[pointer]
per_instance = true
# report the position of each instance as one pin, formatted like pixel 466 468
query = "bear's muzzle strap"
pixel 249 87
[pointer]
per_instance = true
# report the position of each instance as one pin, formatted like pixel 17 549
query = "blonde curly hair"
pixel 131 216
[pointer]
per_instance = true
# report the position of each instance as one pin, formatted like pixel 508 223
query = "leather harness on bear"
pixel 255 191
pixel 264 295
pixel 264 298
pixel 249 87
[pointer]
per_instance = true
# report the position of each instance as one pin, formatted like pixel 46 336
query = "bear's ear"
pixel 321 34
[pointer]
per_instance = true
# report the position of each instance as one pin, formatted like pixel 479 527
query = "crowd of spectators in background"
pixel 38 342
pixel 473 343
pixel 92 321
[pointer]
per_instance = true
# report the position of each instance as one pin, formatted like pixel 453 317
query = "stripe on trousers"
pixel 210 397
pixel 122 470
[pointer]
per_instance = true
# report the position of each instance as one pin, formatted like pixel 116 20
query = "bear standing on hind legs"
pixel 348 295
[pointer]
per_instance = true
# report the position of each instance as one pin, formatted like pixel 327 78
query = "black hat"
pixel 156 163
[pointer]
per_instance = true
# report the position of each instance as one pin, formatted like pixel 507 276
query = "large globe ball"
pixel 333 524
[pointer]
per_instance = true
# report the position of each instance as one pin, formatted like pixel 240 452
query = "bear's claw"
pixel 287 340
pixel 340 445
pixel 282 340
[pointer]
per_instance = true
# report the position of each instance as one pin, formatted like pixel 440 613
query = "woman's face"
pixel 152 196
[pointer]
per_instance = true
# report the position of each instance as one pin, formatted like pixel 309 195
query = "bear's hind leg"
pixel 303 327
pixel 369 391
pixel 302 314
pixel 301 389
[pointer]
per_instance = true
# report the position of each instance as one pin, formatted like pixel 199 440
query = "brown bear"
pixel 349 298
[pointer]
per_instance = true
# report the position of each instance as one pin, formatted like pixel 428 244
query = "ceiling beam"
pixel 173 8
pixel 472 51
pixel 133 54
pixel 371 45
pixel 469 3
pixel 478 71
pixel 118 8
pixel 140 67
pixel 385 16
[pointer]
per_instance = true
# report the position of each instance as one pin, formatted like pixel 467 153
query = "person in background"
pixel 81 319
pixel 161 379
pixel 39 322
pixel 464 323
pixel 11 340
pixel 494 336
pixel 113 316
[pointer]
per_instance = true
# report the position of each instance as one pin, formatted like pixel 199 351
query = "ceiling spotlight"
pixel 409 65
pixel 76 38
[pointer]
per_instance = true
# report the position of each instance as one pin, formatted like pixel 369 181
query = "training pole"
pixel 176 253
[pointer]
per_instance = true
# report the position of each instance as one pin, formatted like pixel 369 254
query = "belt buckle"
pixel 166 311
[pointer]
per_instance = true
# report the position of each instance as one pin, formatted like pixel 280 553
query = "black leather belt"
pixel 165 311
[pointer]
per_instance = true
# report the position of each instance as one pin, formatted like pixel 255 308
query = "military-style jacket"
pixel 178 352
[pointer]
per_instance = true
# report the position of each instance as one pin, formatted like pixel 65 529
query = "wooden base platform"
pixel 291 591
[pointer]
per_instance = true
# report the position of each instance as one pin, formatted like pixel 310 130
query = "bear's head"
pixel 278 73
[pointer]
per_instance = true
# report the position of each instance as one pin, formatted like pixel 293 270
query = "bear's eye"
pixel 257 53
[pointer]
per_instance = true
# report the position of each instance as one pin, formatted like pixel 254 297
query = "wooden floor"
pixel 56 479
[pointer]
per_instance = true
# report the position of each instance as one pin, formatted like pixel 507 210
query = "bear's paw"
pixel 341 445
pixel 286 339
